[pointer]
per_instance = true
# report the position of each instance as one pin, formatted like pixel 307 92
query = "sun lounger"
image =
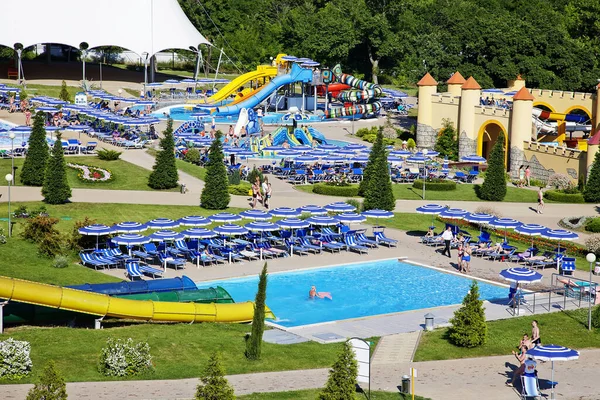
pixel 250 255
pixel 88 260
pixel 148 270
pixel 381 238
pixel 305 242
pixel 364 241
pixel 132 270
pixel 143 255
pixel 330 244
pixel 295 248
pixel 276 252
pixel 351 245
pixel 170 261
pixel 530 387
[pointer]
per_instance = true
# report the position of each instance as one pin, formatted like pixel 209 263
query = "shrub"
pixel 255 173
pixel 193 156
pixel 591 193
pixel 125 358
pixel 239 190
pixel 563 196
pixel 592 244
pixel 494 185
pixel 411 144
pixel 61 262
pixel 37 227
pixel 15 360
pixel 108 155
pixel 488 210
pixel 214 385
pixel 341 384
pixel 234 177
pixel 388 131
pixel 559 181
pixel 254 342
pixel 164 173
pixel 362 132
pixel 56 189
pixel 537 183
pixel 34 166
pixel 469 328
pixel 437 185
pixel 355 203
pixel 2 236
pixel 333 190
pixel 21 212
pixel 593 225
pixel 447 141
pixel 64 93
pixel 77 241
pixel 215 195
pixel 51 244
pixel 596 317
pixel 52 385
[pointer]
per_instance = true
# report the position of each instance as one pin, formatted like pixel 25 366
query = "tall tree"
pixel 469 328
pixel 447 141
pixel 215 195
pixel 591 193
pixel 370 167
pixel 34 167
pixel 214 385
pixel 64 93
pixel 494 184
pixel 51 386
pixel 164 174
pixel 254 342
pixel 56 189
pixel 341 384
pixel 378 193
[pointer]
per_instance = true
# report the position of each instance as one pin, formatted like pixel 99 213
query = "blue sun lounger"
pixel 132 270
pixel 170 261
pixel 351 245
pixel 148 270
pixel 89 261
pixel 329 243
pixel 296 248
pixel 363 240
pixel 530 387
pixel 381 238
pixel 309 246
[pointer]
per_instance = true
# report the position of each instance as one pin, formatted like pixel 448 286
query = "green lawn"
pixel 127 176
pixel 50 90
pixel 568 328
pixel 312 394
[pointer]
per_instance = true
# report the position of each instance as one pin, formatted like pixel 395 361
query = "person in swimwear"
pixel 320 295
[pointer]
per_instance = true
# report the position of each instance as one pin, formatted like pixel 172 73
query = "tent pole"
pixel 19 66
pixel 196 70
pixel 218 66
pixel 83 54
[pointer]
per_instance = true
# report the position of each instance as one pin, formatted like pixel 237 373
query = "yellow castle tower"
pixel 425 133
pixel 469 99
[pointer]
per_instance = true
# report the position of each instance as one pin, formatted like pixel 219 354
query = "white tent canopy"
pixel 142 26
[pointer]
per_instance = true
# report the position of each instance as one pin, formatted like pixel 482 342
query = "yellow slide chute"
pixel 262 72
pixel 41 294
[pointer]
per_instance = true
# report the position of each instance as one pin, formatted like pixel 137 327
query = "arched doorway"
pixel 488 136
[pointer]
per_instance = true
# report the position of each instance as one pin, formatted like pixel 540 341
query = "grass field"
pixel 127 176
pixel 49 90
pixel 567 328
pixel 312 394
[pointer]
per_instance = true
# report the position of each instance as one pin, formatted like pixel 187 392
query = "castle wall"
pixel 562 101
pixel 545 160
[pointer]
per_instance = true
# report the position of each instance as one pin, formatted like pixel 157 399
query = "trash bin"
pixel 429 321
pixel 406 384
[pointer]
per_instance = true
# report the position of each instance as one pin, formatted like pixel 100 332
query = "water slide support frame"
pixel 217 70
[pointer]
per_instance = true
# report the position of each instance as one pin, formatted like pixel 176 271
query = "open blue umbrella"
pixel 225 217
pixel 479 218
pixel 129 227
pixel 273 148
pixel 285 212
pixel 328 147
pixel 340 207
pixel 361 159
pixel 473 158
pixel 262 226
pixel 394 159
pixel 257 215
pixel 194 220
pixel 520 275
pixel 552 352
pixel 293 223
pixel 350 218
pixel 171 81
pixel 417 159
pixel 322 220
pixel 504 223
pixel 306 158
pixel 230 230
pixel 434 209
pixel 50 110
pixel 165 236
pixel 453 213
pixel 246 153
pixel 318 153
pixel 344 152
pixel 289 153
pixel 162 223
pixel 355 147
pixel 400 153
pixel 130 239
pixel 302 147
pixel 96 230
pixel 313 210
pixel 530 230
pixel 559 234
pixel 332 158
pixel 198 233
pixel 378 214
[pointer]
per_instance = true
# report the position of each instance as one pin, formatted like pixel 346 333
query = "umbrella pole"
pixel 553 383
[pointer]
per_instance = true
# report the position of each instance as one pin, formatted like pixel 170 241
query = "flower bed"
pixel 89 173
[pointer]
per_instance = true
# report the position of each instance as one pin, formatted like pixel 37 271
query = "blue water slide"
pixel 580 119
pixel 302 137
pixel 135 287
pixel 317 135
pixel 279 136
pixel 297 74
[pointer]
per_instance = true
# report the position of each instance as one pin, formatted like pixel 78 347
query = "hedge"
pixel 240 190
pixel 557 195
pixel 436 186
pixel 331 190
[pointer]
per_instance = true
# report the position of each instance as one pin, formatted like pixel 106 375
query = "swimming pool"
pixel 358 290
pixel 5 140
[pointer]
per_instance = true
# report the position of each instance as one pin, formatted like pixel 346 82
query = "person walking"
pixel 521 176
pixel 540 206
pixel 268 195
pixel 447 237
pixel 263 188
pixel 535 333
pixel 528 176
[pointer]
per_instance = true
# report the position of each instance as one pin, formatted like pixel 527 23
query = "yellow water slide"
pixel 103 305
pixel 262 72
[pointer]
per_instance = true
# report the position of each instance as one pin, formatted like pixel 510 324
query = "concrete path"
pixel 395 349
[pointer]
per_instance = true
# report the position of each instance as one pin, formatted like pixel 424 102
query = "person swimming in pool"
pixel 319 295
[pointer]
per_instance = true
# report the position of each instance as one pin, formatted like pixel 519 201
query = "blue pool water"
pixel 5 140
pixel 358 290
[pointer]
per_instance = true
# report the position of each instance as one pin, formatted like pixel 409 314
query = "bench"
pixel 13 73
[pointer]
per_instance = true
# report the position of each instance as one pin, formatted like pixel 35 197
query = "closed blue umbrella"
pixel 350 218
pixel 225 217
pixel 162 223
pixel 473 158
pixel 230 230
pixel 198 233
pixel 293 223
pixel 552 352
pixel 453 213
pixel 340 207
pixel 130 239
pixel 256 215
pixel 194 220
pixel 521 275
pixel 262 226
pixel 96 230
pixel 129 227
pixel 313 210
pixel 322 220
pixel 285 212
pixel 378 214
pixel 165 236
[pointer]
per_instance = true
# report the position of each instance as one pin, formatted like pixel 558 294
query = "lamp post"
pixel 12 158
pixel 9 179
pixel 424 171
pixel 591 257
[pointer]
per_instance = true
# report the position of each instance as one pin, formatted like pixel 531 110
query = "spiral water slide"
pixel 103 305
pixel 573 122
pixel 364 92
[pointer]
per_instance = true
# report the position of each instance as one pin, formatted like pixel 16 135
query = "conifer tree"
pixel 378 191
pixel 341 384
pixel 164 174
pixel 368 172
pixel 34 166
pixel 52 385
pixel 215 195
pixel 447 141
pixel 64 93
pixel 214 385
pixel 494 184
pixel 469 328
pixel 254 342
pixel 56 189
pixel 591 193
